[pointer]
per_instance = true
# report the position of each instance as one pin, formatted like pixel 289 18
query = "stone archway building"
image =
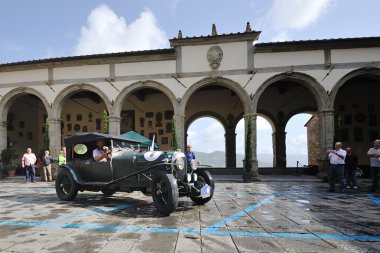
pixel 234 64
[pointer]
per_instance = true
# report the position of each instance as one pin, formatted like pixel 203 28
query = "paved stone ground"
pixel 279 214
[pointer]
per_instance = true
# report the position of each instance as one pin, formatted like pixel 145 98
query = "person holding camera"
pixel 374 156
pixel 336 158
pixel 101 153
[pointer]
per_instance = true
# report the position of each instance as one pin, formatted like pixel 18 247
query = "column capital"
pixel 53 121
pixel 326 111
pixel 114 119
pixel 254 115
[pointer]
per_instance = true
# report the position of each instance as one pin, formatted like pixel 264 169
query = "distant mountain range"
pixel 217 159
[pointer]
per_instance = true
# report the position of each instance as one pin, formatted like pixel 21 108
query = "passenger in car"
pixel 101 153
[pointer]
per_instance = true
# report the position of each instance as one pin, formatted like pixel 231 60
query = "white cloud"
pixel 206 135
pixel 284 16
pixel 105 32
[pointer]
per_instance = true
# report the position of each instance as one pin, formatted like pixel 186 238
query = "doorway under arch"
pixel 149 112
pixel 26 120
pixel 279 101
pixel 301 146
pixel 206 136
pixel 83 111
pixel 264 142
pixel 357 115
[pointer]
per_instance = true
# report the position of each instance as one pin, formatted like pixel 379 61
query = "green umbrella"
pixel 144 142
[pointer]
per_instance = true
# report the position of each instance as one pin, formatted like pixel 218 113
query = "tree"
pixel 106 122
pixel 46 136
pixel 174 135
pixel 248 147
pixel 248 163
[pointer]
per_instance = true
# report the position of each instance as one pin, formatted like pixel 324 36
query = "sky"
pixel 41 29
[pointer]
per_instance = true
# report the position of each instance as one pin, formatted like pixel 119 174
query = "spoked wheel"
pixel 108 192
pixel 165 192
pixel 204 177
pixel 65 186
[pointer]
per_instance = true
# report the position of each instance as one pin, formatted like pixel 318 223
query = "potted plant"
pixel 10 169
pixel 9 159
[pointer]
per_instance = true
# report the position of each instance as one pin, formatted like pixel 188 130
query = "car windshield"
pixel 121 144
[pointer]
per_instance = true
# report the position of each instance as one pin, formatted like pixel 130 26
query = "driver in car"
pixel 101 153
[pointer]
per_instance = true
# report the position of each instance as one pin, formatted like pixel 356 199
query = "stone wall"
pixel 313 140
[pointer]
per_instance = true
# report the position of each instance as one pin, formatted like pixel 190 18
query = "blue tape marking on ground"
pixel 194 231
pixel 235 216
pixel 374 199
pixel 121 207
pixel 244 193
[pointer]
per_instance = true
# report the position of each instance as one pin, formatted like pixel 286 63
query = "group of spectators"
pixel 343 166
pixel 29 160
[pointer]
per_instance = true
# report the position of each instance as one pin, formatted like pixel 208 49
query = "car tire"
pixel 165 192
pixel 65 186
pixel 108 192
pixel 204 177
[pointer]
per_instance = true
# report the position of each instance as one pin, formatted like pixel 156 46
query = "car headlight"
pixel 193 164
pixel 180 163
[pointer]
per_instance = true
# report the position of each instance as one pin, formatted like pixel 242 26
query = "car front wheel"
pixel 204 177
pixel 65 186
pixel 165 192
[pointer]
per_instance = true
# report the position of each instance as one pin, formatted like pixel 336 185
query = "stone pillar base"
pixel 249 178
pixel 323 176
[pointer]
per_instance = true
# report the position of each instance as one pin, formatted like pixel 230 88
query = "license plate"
pixel 206 191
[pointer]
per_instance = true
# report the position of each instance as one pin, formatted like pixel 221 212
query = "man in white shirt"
pixel 336 158
pixel 374 156
pixel 28 160
pixel 101 154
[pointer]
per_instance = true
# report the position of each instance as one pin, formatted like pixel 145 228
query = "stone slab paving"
pixel 273 215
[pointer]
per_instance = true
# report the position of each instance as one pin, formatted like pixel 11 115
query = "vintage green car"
pixel 165 174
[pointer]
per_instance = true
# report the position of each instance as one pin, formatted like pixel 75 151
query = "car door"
pixel 123 163
pixel 88 168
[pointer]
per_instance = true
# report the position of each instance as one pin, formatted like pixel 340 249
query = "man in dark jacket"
pixel 351 163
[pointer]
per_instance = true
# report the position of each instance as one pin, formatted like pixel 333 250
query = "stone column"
pixel 3 135
pixel 54 136
pixel 255 168
pixel 180 128
pixel 279 148
pixel 230 140
pixel 326 133
pixel 254 175
pixel 114 125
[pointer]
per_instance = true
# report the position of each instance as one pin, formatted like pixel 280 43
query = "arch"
pixel 269 117
pixel 306 110
pixel 65 93
pixel 307 81
pixel 349 76
pixel 138 85
pixel 228 83
pixel 8 99
pixel 205 114
pixel 294 129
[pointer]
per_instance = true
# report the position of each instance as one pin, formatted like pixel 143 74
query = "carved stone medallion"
pixel 214 57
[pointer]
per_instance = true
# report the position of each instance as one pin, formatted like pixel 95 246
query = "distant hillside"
pixel 217 159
